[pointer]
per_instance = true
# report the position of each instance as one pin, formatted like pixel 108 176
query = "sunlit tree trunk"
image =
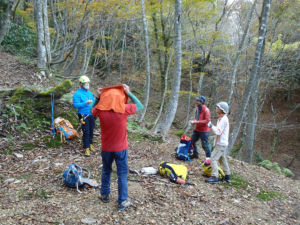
pixel 173 102
pixel 252 79
pixel 42 55
pixel 46 30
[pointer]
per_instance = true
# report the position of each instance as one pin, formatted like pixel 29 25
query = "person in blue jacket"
pixel 83 100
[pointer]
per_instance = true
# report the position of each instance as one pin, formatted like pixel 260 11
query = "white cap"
pixel 223 106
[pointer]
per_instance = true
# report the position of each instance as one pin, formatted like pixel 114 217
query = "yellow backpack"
pixel 207 170
pixel 181 171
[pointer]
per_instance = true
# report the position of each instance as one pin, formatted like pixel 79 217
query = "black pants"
pixel 87 130
pixel 205 144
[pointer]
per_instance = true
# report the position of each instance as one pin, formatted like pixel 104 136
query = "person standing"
pixel 113 120
pixel 83 100
pixel 202 118
pixel 220 143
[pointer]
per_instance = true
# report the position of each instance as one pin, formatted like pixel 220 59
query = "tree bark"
pixel 173 102
pixel 55 24
pixel 5 23
pixel 235 64
pixel 165 91
pixel 142 115
pixel 247 152
pixel 46 30
pixel 42 59
pixel 252 79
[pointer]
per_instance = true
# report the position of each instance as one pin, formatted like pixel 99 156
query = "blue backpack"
pixel 185 148
pixel 73 177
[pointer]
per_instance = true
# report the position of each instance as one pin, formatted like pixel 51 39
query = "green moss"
pixel 268 195
pixel 237 181
pixel 60 90
pixel 22 93
pixel 179 133
pixel 149 127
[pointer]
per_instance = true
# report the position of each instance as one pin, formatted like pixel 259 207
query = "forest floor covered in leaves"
pixel 32 190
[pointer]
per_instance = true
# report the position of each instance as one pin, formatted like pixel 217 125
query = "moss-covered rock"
pixel 41 101
pixel 22 93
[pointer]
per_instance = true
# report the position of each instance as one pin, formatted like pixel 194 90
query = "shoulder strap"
pixel 164 165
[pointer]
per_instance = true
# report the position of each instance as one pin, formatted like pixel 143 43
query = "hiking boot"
pixel 227 178
pixel 124 204
pixel 87 152
pixel 194 157
pixel 212 180
pixel 104 198
pixel 92 147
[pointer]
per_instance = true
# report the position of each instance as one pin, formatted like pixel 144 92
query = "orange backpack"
pixel 65 129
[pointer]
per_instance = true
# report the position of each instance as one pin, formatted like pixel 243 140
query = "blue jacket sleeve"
pixel 137 102
pixel 77 103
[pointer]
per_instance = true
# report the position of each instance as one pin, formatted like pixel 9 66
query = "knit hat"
pixel 223 106
pixel 201 99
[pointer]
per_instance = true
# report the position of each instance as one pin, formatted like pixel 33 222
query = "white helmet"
pixel 223 106
pixel 84 79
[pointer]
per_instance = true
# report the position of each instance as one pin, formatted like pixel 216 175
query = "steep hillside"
pixel 32 191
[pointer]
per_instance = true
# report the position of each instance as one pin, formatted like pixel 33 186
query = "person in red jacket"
pixel 202 118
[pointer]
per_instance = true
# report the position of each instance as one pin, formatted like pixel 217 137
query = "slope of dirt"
pixel 37 194
pixel 15 72
pixel 32 191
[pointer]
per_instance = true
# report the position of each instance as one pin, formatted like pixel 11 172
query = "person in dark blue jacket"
pixel 83 100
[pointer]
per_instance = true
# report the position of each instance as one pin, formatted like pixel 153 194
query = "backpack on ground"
pixel 176 173
pixel 207 170
pixel 185 148
pixel 73 177
pixel 65 129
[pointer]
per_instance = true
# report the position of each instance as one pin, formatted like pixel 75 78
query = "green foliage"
pixel 266 164
pixel 179 133
pixel 268 195
pixel 20 39
pixel 237 181
pixel 133 126
pixel 287 172
pixel 52 142
pixel 275 166
pixel 258 157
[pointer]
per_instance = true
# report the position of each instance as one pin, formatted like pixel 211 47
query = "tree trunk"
pixel 235 65
pixel 165 91
pixel 72 65
pixel 5 23
pixel 142 115
pixel 55 24
pixel 247 152
pixel 46 30
pixel 42 59
pixel 252 79
pixel 191 86
pixel 123 45
pixel 173 102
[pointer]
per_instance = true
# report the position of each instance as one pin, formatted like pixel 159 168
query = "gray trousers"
pixel 219 154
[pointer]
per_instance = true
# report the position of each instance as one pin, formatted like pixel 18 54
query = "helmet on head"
pixel 84 79
pixel 201 99
pixel 223 106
